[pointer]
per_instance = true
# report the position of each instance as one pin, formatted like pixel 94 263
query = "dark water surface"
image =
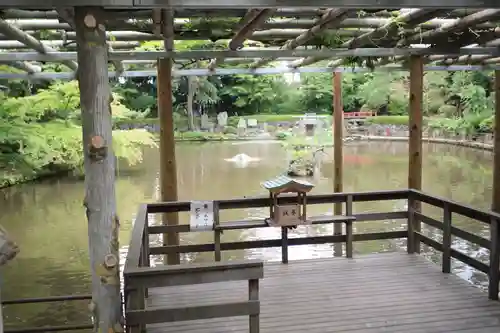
pixel 48 221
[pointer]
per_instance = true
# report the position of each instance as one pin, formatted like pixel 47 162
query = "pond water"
pixel 47 218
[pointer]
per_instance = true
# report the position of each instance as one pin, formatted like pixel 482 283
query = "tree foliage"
pixel 40 133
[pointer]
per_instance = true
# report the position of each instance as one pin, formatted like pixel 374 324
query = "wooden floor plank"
pixel 390 292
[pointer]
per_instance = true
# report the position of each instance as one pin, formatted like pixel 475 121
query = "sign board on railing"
pixel 202 215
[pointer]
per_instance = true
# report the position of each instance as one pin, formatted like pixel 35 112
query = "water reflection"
pixel 47 218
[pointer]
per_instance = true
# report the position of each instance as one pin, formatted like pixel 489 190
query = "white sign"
pixel 222 118
pixel 202 215
pixel 242 123
pixel 252 122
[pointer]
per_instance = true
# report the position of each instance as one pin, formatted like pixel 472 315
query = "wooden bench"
pixel 140 279
pixel 261 223
pixel 316 220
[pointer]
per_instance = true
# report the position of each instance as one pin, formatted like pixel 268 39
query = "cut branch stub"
pixel 110 261
pixel 90 21
pixel 97 149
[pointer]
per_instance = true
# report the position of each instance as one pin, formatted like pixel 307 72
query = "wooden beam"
pixel 245 31
pixel 24 66
pixel 415 139
pixel 328 20
pixel 386 32
pixel 99 163
pixel 338 127
pixel 17 34
pixel 256 19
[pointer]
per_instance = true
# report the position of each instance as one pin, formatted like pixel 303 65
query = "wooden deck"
pixel 390 292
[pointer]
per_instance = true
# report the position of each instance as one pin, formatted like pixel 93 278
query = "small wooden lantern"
pixel 291 214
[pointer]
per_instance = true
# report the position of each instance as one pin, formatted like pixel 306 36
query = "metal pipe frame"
pixel 275 53
pixel 234 71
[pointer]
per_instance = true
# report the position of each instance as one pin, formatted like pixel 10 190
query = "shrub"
pixel 447 111
pixel 281 135
pixel 230 130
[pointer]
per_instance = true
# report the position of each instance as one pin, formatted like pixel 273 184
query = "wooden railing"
pixel 176 275
pixel 284 242
pixel 449 207
pixel 140 250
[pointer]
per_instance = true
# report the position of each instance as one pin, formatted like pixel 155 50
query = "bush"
pixel 282 135
pixel 230 130
pixel 487 125
pixel 198 136
pixel 180 121
pixel 447 111
pixel 271 128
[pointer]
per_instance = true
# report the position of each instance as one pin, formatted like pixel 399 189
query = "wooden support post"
pixel 144 259
pixel 493 274
pixel 415 140
pixel 348 228
pixel 99 164
pixel 446 267
pixel 494 278
pixel 284 245
pixel 136 301
pixel 253 295
pixel 217 233
pixel 410 245
pixel 338 124
pixel 168 168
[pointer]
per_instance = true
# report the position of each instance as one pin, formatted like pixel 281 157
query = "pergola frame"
pixel 458 39
pixel 217 4
pixel 378 37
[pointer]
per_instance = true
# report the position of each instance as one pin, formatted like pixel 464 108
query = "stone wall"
pixel 400 133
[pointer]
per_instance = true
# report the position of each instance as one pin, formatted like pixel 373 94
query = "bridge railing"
pixel 359 114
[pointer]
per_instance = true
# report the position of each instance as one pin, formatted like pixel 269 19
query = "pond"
pixel 47 218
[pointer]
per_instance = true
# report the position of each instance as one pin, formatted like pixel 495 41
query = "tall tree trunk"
pixel 190 100
pixel 99 165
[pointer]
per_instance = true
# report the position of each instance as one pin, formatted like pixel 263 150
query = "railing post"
pixel 411 232
pixel 253 295
pixel 144 259
pixel 217 233
pixel 446 267
pixel 284 245
pixel 136 302
pixel 494 278
pixel 348 227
